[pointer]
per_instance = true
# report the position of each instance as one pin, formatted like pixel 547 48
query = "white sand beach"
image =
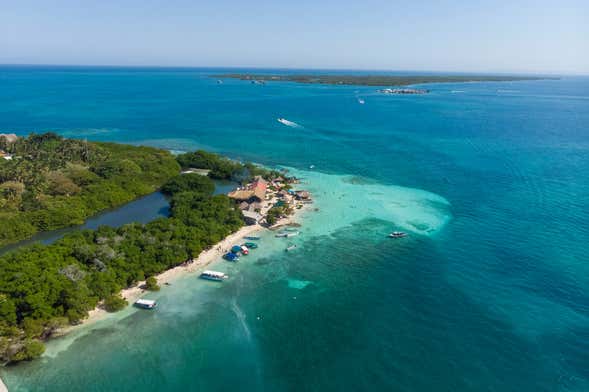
pixel 205 258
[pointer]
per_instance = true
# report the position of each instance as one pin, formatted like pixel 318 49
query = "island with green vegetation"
pixel 44 288
pixel 50 182
pixel 373 80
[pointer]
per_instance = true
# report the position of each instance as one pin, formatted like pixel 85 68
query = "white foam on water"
pixel 298 284
pixel 342 200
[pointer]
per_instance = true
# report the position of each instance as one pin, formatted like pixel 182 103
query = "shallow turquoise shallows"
pixel 489 292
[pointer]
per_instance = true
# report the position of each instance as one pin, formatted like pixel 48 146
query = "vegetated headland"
pixel 48 182
pixel 46 288
pixel 374 80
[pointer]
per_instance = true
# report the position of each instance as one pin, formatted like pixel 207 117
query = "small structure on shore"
pixel 251 217
pixel 302 195
pixel 251 193
pixel 5 155
pixel 10 137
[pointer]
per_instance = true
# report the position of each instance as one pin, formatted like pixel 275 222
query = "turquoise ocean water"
pixel 488 293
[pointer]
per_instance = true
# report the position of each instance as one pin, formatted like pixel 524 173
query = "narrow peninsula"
pixel 46 288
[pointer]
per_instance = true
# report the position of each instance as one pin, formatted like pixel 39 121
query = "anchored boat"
pixel 287 234
pixel 239 249
pixel 398 234
pixel 291 247
pixel 231 256
pixel 145 304
pixel 251 245
pixel 251 238
pixel 213 275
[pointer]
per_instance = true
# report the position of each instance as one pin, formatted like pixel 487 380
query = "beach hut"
pixel 251 217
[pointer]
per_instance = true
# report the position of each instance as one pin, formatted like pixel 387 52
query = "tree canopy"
pixel 53 182
pixel 45 286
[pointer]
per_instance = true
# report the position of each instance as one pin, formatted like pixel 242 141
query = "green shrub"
pixel 151 284
pixel 115 303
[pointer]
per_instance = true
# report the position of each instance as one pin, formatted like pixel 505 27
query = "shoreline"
pixel 206 257
pixel 3 387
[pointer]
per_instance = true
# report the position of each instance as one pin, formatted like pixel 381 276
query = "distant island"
pixel 374 80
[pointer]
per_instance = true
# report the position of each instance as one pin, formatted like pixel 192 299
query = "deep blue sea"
pixel 490 291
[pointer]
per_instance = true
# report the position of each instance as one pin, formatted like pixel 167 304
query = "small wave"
pixel 298 284
pixel 288 123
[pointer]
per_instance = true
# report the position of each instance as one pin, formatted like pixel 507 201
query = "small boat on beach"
pixel 145 304
pixel 213 275
pixel 251 245
pixel 237 249
pixel 231 256
pixel 398 234
pixel 290 247
pixel 251 238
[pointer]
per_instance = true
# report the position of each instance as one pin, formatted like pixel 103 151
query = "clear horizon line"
pixel 522 73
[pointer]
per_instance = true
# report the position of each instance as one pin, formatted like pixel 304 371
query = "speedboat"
pixel 361 101
pixel 398 234
pixel 145 304
pixel 245 250
pixel 213 275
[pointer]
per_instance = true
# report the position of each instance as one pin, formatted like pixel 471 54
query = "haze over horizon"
pixel 543 36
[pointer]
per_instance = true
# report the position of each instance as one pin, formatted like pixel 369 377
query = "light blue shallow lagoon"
pixel 489 292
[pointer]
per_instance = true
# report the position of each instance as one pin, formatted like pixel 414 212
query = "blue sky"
pixel 477 36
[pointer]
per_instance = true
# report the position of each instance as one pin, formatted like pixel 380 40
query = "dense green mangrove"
pixel 44 287
pixel 52 182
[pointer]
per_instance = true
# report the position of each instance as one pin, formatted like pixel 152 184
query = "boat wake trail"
pixel 288 123
pixel 241 317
